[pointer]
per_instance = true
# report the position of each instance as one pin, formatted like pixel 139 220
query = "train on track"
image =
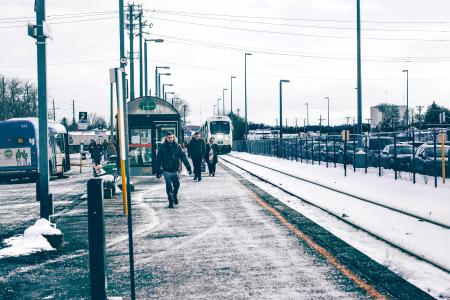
pixel 221 128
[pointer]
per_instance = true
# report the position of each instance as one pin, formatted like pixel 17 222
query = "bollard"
pixel 96 233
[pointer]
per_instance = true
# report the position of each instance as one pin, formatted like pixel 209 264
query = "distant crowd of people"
pixel 105 150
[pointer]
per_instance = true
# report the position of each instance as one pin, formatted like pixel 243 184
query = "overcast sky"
pixel 310 42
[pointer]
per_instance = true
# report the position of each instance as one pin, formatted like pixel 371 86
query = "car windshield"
pixel 220 127
pixel 430 151
pixel 404 149
pixel 379 144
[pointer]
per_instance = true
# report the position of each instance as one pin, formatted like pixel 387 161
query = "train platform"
pixel 227 239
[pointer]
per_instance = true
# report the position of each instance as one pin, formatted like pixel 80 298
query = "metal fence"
pixel 414 153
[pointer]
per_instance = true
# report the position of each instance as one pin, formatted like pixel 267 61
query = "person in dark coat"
pixel 97 154
pixel 91 148
pixel 211 156
pixel 168 159
pixel 196 150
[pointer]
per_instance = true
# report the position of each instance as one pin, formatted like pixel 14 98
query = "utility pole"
pixel 304 124
pixel 307 113
pixel 328 102
pixel 231 94
pixel 141 63
pixel 358 54
pixel 42 186
pixel 420 107
pixel 407 98
pixel 54 110
pixel 320 124
pixel 73 114
pixel 281 106
pixel 218 106
pixel 127 161
pixel 184 115
pixel 131 17
pixel 245 92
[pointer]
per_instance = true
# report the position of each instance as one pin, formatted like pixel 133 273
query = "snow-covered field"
pixel 421 238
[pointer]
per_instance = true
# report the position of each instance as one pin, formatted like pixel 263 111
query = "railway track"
pixel 410 217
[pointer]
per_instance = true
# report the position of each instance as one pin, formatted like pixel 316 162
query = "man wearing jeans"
pixel 168 158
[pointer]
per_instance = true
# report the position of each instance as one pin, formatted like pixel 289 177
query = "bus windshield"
pixel 218 127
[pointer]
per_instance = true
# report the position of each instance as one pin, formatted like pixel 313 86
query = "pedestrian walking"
pixel 104 149
pixel 168 159
pixel 91 149
pixel 97 154
pixel 196 150
pixel 111 149
pixel 211 156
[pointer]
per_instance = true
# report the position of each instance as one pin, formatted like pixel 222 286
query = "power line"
pixel 224 46
pixel 296 33
pixel 298 25
pixel 65 22
pixel 300 19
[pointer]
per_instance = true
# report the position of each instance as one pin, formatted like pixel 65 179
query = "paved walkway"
pixel 219 243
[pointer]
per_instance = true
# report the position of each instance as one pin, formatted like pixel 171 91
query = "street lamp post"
pixel 146 62
pixel 164 87
pixel 157 85
pixel 407 98
pixel 218 106
pixel 307 113
pixel 231 94
pixel 328 102
pixel 160 95
pixel 167 93
pixel 223 100
pixel 214 110
pixel 281 106
pixel 245 84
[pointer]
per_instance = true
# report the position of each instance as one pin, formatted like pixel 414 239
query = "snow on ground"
pixel 429 278
pixel 31 241
pixel 420 199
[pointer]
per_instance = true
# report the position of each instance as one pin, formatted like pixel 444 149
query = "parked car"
pixel 424 161
pixel 351 149
pixel 375 145
pixel 330 152
pixel 397 157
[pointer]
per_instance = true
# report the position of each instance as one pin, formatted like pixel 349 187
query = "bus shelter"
pixel 149 119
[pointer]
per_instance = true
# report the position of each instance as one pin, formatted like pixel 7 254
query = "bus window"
pixel 59 143
pixel 217 127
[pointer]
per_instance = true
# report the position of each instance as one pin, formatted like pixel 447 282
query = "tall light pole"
pixel 245 88
pixel 157 86
pixel 281 106
pixel 307 113
pixel 223 100
pixel 160 95
pixel 146 61
pixel 407 97
pixel 358 54
pixel 214 110
pixel 328 102
pixel 163 89
pixel 168 93
pixel 231 94
pixel 218 106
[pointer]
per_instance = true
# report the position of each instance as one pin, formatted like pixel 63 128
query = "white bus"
pixel 221 129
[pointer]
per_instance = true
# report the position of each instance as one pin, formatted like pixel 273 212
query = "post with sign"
pixel 82 125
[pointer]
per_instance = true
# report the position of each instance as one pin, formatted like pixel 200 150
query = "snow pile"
pixel 31 241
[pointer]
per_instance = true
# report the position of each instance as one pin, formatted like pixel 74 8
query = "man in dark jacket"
pixel 168 158
pixel 196 151
pixel 211 153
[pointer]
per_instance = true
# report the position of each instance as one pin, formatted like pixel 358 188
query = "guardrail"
pixel 387 152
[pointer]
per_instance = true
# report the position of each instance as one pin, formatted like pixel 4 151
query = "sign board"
pixel 31 30
pixel 345 135
pixel 12 157
pixel 46 30
pixel 82 120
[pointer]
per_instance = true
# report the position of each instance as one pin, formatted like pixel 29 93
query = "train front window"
pixel 219 127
